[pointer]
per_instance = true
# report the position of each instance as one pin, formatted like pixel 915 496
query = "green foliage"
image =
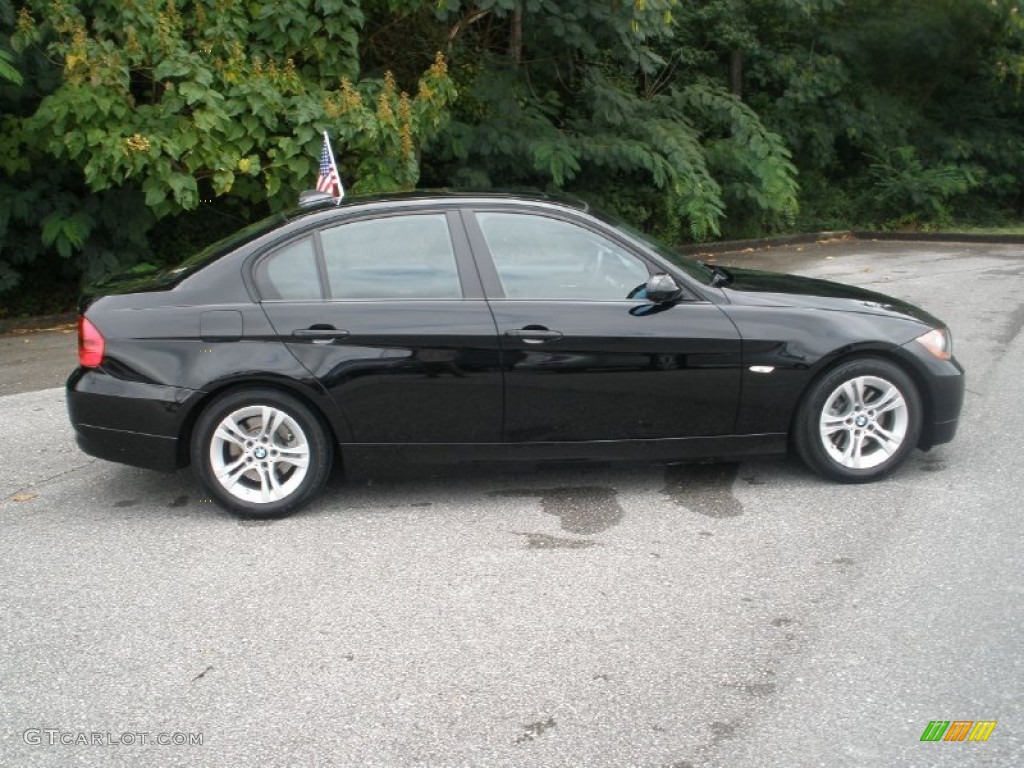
pixel 901 182
pixel 173 106
pixel 135 131
pixel 894 109
pixel 590 98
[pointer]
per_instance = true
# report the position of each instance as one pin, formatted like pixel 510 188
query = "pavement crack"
pixel 33 486
pixel 202 674
pixel 544 541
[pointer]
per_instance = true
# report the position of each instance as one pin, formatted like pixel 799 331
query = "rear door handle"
pixel 320 334
pixel 534 335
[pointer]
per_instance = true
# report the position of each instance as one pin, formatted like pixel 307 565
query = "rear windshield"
pixel 213 252
pixel 146 277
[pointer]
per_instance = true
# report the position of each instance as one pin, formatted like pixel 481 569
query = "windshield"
pixel 690 266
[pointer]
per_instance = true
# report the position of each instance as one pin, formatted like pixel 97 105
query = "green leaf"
pixel 193 93
pixel 8 71
pixel 172 68
pixel 67 232
pixel 223 179
pixel 184 189
pixel 155 190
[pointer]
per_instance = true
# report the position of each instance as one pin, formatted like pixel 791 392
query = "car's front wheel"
pixel 261 452
pixel 859 422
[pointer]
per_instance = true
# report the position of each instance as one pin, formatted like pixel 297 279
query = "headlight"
pixel 938 341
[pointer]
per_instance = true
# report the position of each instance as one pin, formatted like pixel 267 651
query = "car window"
pixel 290 273
pixel 538 257
pixel 695 269
pixel 397 257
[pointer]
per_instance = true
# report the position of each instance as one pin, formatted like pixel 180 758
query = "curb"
pixel 940 237
pixel 732 246
pixel 36 323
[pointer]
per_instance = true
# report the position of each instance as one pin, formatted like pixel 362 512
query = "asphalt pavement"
pixel 725 615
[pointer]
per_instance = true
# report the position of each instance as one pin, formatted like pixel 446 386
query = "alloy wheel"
pixel 259 454
pixel 864 422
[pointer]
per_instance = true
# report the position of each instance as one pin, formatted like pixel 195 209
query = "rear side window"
pixel 397 257
pixel 290 273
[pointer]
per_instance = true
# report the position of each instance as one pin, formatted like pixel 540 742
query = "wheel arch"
pixel 289 387
pixel 890 354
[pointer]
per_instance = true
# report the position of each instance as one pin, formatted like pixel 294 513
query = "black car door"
pixel 388 313
pixel 582 359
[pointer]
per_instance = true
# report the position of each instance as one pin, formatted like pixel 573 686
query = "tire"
pixel 254 474
pixel 859 421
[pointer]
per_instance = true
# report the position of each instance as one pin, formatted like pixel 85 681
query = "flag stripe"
pixel 328 179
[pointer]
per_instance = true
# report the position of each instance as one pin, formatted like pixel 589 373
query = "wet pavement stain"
pixel 722 731
pixel 932 465
pixel 180 501
pixel 585 510
pixel 760 689
pixel 1014 327
pixel 704 488
pixel 756 689
pixel 783 621
pixel 533 730
pixel 1006 271
pixel 543 541
pixel 126 503
pixel 843 561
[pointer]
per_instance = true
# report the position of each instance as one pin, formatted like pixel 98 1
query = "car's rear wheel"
pixel 859 422
pixel 261 452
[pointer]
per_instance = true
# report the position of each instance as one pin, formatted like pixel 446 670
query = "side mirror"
pixel 662 288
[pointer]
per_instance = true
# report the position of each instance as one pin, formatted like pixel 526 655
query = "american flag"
pixel 328 180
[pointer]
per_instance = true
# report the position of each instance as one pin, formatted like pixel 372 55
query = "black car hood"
pixel 757 287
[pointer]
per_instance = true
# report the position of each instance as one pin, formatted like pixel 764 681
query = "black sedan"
pixel 451 326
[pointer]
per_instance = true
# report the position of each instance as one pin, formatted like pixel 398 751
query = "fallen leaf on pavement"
pixel 28 496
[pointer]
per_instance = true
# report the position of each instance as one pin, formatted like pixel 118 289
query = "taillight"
pixel 90 343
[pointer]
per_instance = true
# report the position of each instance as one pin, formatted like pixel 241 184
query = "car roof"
pixel 428 196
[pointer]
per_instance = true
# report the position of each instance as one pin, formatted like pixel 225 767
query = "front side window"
pixel 397 257
pixel 538 257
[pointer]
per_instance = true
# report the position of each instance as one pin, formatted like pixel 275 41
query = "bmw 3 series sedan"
pixel 481 327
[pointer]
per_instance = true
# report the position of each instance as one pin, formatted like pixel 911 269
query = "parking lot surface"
pixel 725 615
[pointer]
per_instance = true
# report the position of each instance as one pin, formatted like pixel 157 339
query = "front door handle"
pixel 534 335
